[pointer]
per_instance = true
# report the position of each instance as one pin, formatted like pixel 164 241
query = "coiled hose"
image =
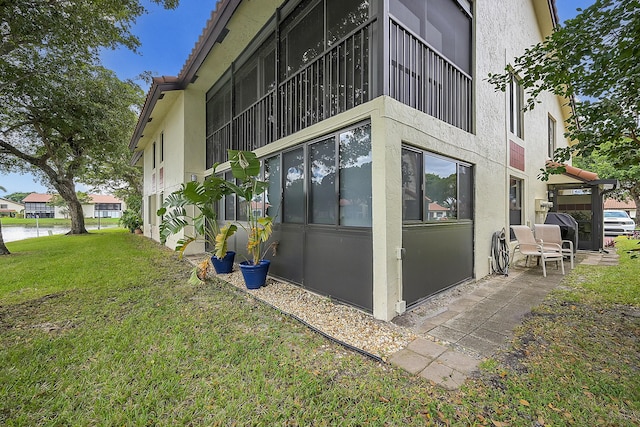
pixel 500 253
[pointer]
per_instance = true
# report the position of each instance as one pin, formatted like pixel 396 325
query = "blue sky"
pixel 167 38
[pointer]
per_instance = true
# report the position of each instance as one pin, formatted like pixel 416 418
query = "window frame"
pixel 423 186
pixel 516 107
pixel 519 205
pixel 280 217
pixel 551 134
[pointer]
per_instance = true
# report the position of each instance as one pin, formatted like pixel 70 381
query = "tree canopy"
pixel 593 62
pixel 61 112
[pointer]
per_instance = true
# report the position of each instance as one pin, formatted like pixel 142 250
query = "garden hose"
pixel 500 253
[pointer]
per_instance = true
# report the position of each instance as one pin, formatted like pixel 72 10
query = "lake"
pixel 12 233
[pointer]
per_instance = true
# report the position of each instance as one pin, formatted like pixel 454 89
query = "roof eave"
pixel 158 87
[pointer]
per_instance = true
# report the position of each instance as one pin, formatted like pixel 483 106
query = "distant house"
pixel 37 205
pixel 10 208
pixel 103 206
pixel 628 206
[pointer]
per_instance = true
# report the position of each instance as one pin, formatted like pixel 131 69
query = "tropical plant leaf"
pixel 221 239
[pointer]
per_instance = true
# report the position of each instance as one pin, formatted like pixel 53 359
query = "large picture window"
pixel 435 188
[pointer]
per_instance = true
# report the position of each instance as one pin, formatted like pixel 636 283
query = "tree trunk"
pixel 67 190
pixel 635 196
pixel 3 248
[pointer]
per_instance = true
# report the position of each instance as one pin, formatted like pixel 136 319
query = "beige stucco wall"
pixel 502 31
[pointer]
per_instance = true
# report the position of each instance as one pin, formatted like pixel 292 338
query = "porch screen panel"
pixel 344 16
pixel 293 199
pixel 302 37
pixel 322 182
pixel 218 129
pixel 355 177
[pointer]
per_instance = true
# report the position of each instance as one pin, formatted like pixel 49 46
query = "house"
pixel 103 206
pixel 10 208
pixel 366 115
pixel 36 205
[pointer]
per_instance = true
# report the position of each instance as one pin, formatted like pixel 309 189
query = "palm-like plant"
pixel 245 168
pixel 193 205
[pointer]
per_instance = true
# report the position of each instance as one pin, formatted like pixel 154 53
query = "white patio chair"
pixel 530 247
pixel 550 234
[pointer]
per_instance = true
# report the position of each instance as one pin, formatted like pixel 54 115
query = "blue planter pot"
pixel 224 265
pixel 255 276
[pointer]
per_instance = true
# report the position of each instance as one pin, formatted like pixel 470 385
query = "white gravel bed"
pixel 344 323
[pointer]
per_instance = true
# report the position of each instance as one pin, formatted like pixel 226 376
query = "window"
pixel 162 147
pixel 323 203
pixel 435 188
pixel 552 136
pixel 444 24
pixel 293 188
pixel 153 153
pixel 274 189
pixel 515 203
pixel 229 201
pixel 411 185
pixel 516 105
pixel 355 177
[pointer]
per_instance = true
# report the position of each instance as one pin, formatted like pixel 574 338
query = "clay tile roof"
pixel 575 172
pixel 37 198
pixel 104 198
pixel 616 204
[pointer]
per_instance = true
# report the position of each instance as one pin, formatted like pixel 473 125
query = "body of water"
pixel 12 233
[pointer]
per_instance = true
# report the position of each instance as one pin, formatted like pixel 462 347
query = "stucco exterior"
pixel 502 30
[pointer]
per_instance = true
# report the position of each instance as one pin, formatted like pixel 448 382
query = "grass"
pixel 31 222
pixel 103 329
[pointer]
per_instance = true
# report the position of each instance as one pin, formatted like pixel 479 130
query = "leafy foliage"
pixel 16 197
pixel 193 205
pixel 62 113
pixel 592 61
pixel 629 177
pixel 245 168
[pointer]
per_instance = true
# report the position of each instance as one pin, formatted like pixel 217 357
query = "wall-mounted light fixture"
pixel 194 177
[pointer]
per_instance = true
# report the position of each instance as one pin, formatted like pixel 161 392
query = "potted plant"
pixel 245 168
pixel 194 204
pixel 131 220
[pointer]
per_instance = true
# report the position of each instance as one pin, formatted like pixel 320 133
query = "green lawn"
pixel 31 222
pixel 103 329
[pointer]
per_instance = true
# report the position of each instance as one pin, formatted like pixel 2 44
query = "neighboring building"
pixel 103 206
pixel 626 205
pixel 369 121
pixel 37 205
pixel 10 208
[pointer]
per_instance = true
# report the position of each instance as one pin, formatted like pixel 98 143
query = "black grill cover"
pixel 568 226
